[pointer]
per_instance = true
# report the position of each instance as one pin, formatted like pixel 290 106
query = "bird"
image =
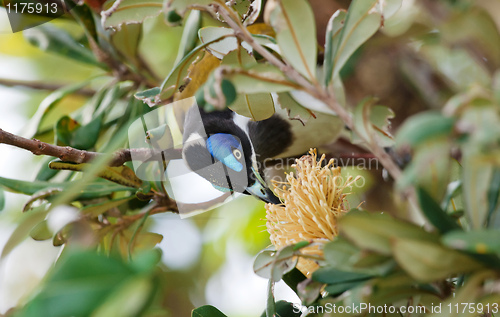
pixel 229 150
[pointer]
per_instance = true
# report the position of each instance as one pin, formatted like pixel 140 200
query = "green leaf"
pixel 390 7
pixel 281 308
pixel 226 88
pixel 363 19
pixel 333 31
pixel 263 39
pixel 377 231
pixel 160 137
pixel 428 261
pixel 329 275
pixel 129 300
pixel 260 78
pixel 373 264
pixel 220 48
pixel 339 288
pixel 293 22
pixel 475 188
pixel 62 236
pixel 295 110
pixel 423 127
pixel 457 66
pixel 396 287
pixel 429 168
pixel 132 11
pixel 70 132
pixel 309 291
pixel 249 77
pixel 95 210
pixel 181 6
pixel 241 7
pixel 475 25
pixel 126 40
pixel 433 212
pixel 146 261
pixel 478 150
pixel 85 137
pixel 199 77
pixel 452 201
pixel 149 96
pixel 477 241
pixel 45 173
pixel 372 123
pixel 253 12
pixel 493 193
pixel 92 190
pixel 64 129
pixel 51 39
pixel 27 188
pixel 176 77
pixel 293 278
pixel 286 309
pixel 2 199
pixel 258 106
pixel 302 244
pixel 27 222
pixel 207 311
pixel 41 232
pixel 82 281
pixel 83 15
pixel 239 58
pixel 173 19
pixel 496 87
pixel 44 194
pixel 122 175
pixel 339 252
pixel 48 107
pixel 273 264
pixel 189 34
pixel 343 256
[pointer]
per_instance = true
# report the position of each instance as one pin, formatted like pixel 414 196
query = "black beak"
pixel 260 190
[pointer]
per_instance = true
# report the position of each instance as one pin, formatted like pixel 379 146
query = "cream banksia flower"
pixel 313 200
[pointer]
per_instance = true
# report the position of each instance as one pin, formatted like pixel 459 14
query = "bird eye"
pixel 237 153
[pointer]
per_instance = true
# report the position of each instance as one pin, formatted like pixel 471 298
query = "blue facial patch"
pixel 221 146
pixel 222 189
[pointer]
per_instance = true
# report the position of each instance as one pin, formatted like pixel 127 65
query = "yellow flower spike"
pixel 313 200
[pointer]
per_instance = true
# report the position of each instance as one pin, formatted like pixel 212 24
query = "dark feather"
pixel 270 137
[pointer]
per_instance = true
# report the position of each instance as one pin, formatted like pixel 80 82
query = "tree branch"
pixel 43 86
pixel 69 154
pixel 106 14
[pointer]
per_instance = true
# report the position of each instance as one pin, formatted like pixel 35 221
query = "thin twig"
pixel 43 86
pixel 106 14
pixel 70 154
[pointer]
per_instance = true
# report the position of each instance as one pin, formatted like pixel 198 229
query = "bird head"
pixel 217 147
